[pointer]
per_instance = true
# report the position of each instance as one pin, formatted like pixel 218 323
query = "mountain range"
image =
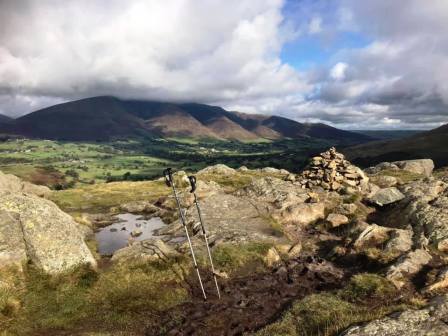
pixel 4 119
pixel 431 144
pixel 105 118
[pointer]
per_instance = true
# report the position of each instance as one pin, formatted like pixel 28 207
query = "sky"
pixel 370 64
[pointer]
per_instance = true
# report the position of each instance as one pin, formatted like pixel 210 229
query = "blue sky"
pixel 310 51
pixel 353 64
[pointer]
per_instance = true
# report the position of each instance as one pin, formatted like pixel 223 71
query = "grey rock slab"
pixel 429 321
pixel 52 238
pixel 387 196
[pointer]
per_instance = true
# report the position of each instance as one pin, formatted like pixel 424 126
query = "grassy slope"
pixel 421 146
pixel 46 162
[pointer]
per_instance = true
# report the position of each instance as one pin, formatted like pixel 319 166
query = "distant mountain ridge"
pixel 5 119
pixel 431 144
pixel 104 118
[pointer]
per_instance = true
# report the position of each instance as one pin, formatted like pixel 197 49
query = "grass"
pixel 55 163
pixel 105 196
pixel 403 175
pixel 247 257
pixel 366 297
pixel 131 298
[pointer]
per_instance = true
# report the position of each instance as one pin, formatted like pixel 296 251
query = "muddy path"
pixel 249 303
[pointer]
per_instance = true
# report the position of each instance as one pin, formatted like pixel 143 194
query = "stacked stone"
pixel 331 171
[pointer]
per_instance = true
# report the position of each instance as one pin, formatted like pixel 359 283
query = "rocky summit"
pixel 330 250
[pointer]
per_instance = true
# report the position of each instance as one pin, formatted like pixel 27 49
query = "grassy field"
pixel 62 165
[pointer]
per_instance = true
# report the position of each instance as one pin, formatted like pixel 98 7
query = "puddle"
pixel 117 235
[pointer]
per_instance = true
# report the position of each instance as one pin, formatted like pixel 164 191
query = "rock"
pixel 387 196
pixel 407 266
pixel 270 170
pixel 302 214
pixel 347 209
pixel 372 236
pixel 38 190
pixel 136 233
pixel 272 257
pixel 336 220
pixel 423 167
pixel 400 241
pixel 53 241
pixel 139 207
pixel 218 169
pixel 12 245
pixel 290 178
pixel 429 321
pixel 382 166
pixel 385 181
pixel 146 250
pixel 441 282
pixel 220 274
pixel 243 169
pixel 12 184
pixel 295 250
pixel 426 209
pixel 313 197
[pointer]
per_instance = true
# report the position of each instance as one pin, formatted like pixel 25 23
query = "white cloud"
pixel 338 71
pixel 205 51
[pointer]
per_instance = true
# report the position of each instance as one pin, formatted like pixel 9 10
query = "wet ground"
pixel 249 303
pixel 128 227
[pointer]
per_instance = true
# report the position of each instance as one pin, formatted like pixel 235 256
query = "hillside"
pixel 105 118
pixel 4 119
pixel 431 144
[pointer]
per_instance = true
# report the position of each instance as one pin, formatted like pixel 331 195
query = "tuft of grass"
pixel 328 314
pixel 123 297
pixel 368 286
pixel 232 258
pixel 403 175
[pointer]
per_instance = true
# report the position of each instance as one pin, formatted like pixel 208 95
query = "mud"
pixel 249 303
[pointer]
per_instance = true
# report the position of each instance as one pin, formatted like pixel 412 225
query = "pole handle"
pixel 168 174
pixel 192 180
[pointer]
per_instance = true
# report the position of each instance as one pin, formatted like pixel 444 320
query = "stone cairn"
pixel 331 171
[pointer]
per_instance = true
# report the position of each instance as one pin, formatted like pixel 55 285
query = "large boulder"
pixel 219 169
pixel 426 210
pixel 52 238
pixel 423 166
pixel 429 321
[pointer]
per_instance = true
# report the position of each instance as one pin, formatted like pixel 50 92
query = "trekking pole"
pixel 204 233
pixel 170 183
